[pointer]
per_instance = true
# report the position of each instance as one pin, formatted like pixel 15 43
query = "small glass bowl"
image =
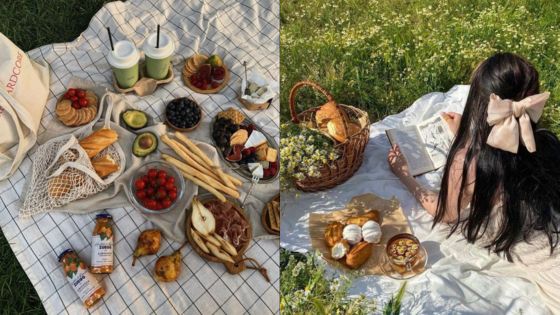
pixel 409 267
pixel 143 170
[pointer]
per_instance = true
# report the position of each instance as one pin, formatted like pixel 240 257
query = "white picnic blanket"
pixel 238 31
pixel 461 278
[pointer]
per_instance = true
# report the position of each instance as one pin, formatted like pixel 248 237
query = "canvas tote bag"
pixel 24 89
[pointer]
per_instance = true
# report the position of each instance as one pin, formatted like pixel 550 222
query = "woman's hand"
pixel 397 162
pixel 453 121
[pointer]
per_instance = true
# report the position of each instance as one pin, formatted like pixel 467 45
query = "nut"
pixel 359 254
pixel 333 233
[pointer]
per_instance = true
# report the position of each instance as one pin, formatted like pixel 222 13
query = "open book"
pixel 424 146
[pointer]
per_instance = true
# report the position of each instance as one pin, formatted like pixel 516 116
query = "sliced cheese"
pixel 256 169
pixel 255 139
pixel 271 155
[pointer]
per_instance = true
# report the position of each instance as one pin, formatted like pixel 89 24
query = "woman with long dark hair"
pixel 501 184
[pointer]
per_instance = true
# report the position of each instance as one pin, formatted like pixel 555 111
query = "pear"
pixel 212 240
pixel 198 240
pixel 148 244
pixel 219 253
pixel 168 268
pixel 202 219
pixel 226 245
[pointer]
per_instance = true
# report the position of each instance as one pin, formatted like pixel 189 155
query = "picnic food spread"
pixel 351 242
pixel 77 107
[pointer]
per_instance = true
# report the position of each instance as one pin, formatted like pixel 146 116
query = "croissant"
pixel 98 141
pixel 105 166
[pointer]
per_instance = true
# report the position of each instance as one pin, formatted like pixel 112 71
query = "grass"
pixel 381 55
pixel 30 24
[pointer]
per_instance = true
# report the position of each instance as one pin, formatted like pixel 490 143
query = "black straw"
pixel 157 45
pixel 110 38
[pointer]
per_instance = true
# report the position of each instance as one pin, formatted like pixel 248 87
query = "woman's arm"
pixel 429 198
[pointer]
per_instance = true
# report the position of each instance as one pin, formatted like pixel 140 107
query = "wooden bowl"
pixel 185 75
pixel 264 220
pixel 236 207
pixel 167 122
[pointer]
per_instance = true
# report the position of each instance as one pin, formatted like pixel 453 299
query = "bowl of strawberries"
pixel 156 187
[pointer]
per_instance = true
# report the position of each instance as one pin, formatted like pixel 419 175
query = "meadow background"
pixel 381 55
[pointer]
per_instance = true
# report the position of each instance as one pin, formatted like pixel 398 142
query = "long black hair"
pixel 526 184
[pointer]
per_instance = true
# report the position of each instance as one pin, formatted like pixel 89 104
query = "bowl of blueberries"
pixel 183 114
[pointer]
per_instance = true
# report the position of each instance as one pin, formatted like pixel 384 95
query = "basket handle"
pixel 294 90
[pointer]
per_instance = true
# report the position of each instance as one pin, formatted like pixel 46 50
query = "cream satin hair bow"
pixel 511 121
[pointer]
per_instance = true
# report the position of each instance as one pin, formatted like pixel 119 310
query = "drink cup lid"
pixel 166 46
pixel 124 56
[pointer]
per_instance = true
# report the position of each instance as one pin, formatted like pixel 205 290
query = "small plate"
pixel 185 75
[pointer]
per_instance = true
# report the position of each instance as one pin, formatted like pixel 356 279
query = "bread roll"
pixel 105 166
pixel 98 141
pixel 327 112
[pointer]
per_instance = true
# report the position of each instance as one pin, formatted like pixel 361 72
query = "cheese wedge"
pixel 256 169
pixel 255 139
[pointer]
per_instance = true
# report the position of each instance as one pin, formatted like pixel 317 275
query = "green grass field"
pixel 381 55
pixel 30 24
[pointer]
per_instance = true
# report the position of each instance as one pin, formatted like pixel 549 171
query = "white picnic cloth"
pixel 238 31
pixel 461 278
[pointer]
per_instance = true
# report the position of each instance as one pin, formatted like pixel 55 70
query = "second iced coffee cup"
pixel 124 62
pixel 158 57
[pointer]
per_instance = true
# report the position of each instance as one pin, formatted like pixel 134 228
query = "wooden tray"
pixel 264 222
pixel 185 75
pixel 241 169
pixel 236 206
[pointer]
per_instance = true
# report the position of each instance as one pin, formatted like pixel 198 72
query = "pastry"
pixel 372 215
pixel 371 232
pixel 359 254
pixel 77 107
pixel 239 137
pixel 105 166
pixel 326 113
pixel 340 249
pixel 337 130
pixel 352 233
pixel 98 141
pixel 333 233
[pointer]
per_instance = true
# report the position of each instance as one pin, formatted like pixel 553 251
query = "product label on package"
pixel 83 282
pixel 101 251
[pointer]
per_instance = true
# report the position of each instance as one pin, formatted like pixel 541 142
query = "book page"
pixel 437 138
pixel 412 147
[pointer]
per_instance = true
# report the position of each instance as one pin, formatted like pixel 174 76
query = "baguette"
pixel 98 141
pixel 105 166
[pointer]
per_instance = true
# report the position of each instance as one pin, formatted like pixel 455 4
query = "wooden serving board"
pixel 186 74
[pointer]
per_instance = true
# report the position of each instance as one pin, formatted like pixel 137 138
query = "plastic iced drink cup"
pixel 124 62
pixel 158 59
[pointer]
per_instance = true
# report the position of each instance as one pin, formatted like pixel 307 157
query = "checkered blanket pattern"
pixel 237 30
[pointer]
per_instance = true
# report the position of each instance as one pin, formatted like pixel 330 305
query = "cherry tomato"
pixel 169 185
pixel 171 179
pixel 76 104
pixel 139 184
pixel 150 191
pixel 161 181
pixel 161 194
pixel 172 195
pixel 159 205
pixel 152 173
pixel 151 204
pixel 174 188
pixel 153 183
pixel 74 98
pixel 141 194
pixel 81 93
pixel 162 174
pixel 71 92
pixel 166 203
pixel 83 102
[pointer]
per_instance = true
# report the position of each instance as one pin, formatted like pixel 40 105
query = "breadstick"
pixel 202 184
pixel 205 158
pixel 212 182
pixel 177 148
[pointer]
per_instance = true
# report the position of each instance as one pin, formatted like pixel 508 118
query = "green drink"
pixel 124 62
pixel 158 57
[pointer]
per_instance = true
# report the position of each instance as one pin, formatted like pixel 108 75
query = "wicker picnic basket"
pixel 351 151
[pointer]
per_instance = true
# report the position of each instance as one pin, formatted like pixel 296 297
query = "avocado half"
pixel 135 119
pixel 144 144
